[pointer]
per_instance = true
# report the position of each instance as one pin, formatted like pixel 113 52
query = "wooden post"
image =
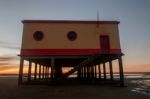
pixel 43 72
pixel 88 72
pixel 29 71
pixel 95 72
pixel 121 71
pixel 40 71
pixel 84 68
pixel 52 67
pixel 92 70
pixel 111 70
pixel 79 73
pixel 20 80
pixel 35 71
pixel 104 71
pixel 47 71
pixel 99 71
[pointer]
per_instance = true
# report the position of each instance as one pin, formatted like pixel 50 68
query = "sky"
pixel 134 27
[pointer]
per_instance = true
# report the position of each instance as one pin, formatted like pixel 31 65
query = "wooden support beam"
pixel 111 70
pixel 99 71
pixel 43 76
pixel 88 72
pixel 48 72
pixel 45 72
pixel 52 67
pixel 35 71
pixel 84 69
pixel 82 72
pixel 104 71
pixel 95 73
pixel 39 71
pixel 20 80
pixel 29 71
pixel 121 72
pixel 92 71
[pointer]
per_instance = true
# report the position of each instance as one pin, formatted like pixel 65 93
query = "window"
pixel 38 35
pixel 72 35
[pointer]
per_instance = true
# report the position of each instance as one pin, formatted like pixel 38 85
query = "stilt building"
pixel 84 46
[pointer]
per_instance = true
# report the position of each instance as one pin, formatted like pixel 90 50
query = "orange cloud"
pixel 137 68
pixel 9 69
pixel 8 64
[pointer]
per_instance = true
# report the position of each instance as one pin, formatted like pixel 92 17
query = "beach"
pixel 9 89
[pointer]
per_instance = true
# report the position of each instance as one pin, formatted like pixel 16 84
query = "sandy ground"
pixel 10 90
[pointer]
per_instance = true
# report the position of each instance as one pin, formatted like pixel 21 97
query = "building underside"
pixel 49 68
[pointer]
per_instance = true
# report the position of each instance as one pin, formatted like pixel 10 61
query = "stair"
pixel 83 63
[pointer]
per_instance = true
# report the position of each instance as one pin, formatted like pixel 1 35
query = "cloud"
pixel 4 64
pixel 8 68
pixel 13 46
pixel 8 58
pixel 7 64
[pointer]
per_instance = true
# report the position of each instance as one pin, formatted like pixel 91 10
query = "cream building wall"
pixel 55 34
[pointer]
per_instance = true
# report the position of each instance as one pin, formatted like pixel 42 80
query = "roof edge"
pixel 70 21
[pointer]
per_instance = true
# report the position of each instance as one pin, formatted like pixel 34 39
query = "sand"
pixel 10 90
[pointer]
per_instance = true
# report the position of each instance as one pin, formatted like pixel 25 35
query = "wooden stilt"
pixel 121 71
pixel 104 71
pixel 45 71
pixel 79 74
pixel 43 76
pixel 86 67
pixel 35 71
pixel 88 72
pixel 92 71
pixel 29 71
pixel 49 72
pixel 52 67
pixel 95 73
pixel 20 80
pixel 99 71
pixel 111 70
pixel 39 71
pixel 84 71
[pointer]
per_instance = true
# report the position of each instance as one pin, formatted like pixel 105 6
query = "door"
pixel 104 44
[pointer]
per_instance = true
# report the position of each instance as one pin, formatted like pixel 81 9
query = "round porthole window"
pixel 72 35
pixel 38 35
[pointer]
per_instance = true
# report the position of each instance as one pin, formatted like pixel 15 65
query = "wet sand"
pixel 10 90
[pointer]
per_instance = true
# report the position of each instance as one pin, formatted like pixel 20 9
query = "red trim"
pixel 69 21
pixel 65 51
